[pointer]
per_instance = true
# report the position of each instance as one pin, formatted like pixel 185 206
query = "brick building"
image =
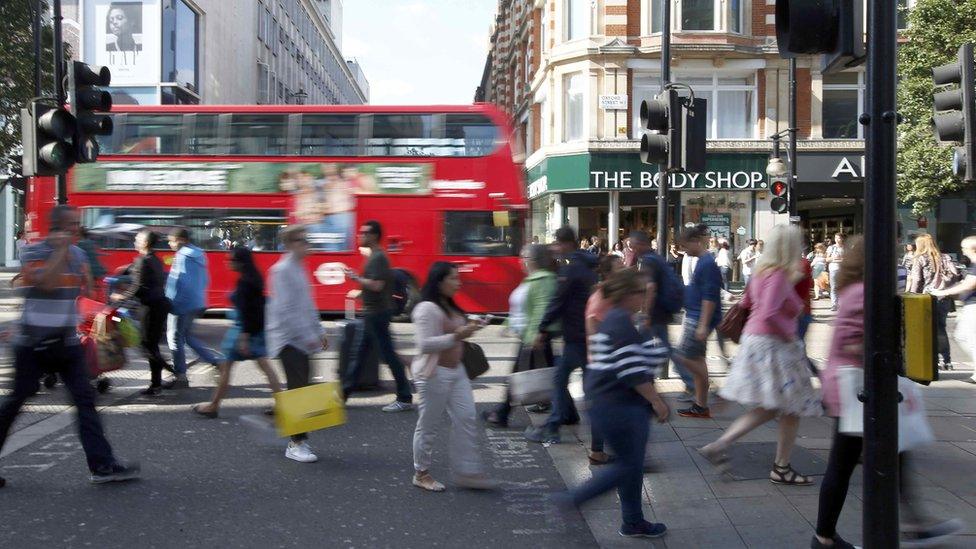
pixel 573 73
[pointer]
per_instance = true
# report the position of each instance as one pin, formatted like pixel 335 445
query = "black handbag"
pixel 474 360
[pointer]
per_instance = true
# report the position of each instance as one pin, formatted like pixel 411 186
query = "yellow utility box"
pixel 920 348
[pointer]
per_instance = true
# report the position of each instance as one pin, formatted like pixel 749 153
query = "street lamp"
pixel 776 168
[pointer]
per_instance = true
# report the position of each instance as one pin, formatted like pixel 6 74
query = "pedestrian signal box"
pixel 919 338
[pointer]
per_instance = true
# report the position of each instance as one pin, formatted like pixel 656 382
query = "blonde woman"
pixel 933 270
pixel 771 373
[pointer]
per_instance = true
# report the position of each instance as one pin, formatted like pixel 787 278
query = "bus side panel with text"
pixel 440 180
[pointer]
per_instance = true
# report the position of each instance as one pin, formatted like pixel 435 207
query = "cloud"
pixel 413 8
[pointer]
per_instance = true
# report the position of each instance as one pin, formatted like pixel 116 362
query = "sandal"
pixel 718 459
pixel 785 474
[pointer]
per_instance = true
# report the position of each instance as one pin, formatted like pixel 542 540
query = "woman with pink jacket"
pixel 771 373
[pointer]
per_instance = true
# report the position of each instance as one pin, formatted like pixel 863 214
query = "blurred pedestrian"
pixel 149 288
pixel 723 258
pixel 618 390
pixel 19 244
pixel 803 289
pixel 818 266
pixel 95 266
pixel 933 270
pixel 847 350
pixel 186 288
pixel 674 258
pixel 834 258
pixel 54 273
pixel 442 383
pixel 245 339
pixel 596 247
pixel 568 308
pixel 377 282
pixel 703 312
pixel 747 258
pixel 966 292
pixel 293 329
pixel 528 303
pixel 618 250
pixel 713 246
pixel 771 373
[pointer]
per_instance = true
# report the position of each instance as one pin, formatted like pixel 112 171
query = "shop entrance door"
pixel 823 229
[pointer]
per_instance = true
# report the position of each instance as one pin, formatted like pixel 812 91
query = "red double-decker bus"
pixel 441 181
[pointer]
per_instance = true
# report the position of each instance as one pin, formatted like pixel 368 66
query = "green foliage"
pixel 17 78
pixel 936 29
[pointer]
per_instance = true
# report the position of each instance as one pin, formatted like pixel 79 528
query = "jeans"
pixel 833 287
pixel 745 279
pixel 660 331
pixel 844 454
pixel 726 277
pixel 178 336
pixel 563 410
pixel 297 373
pixel 626 429
pixel 31 363
pixel 377 327
pixel 803 324
pixel 942 308
pixel 447 389
pixel 153 326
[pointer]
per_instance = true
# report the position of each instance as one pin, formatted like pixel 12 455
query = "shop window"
pixel 573 107
pixel 843 95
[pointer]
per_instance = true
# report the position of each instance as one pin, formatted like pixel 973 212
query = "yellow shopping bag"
pixel 318 406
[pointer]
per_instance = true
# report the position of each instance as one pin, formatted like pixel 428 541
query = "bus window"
pixel 329 135
pixel 210 229
pixel 258 134
pixel 203 134
pixel 150 134
pixel 478 234
pixel 402 135
pixel 469 135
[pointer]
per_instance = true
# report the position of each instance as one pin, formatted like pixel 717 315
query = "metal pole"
pixel 60 182
pixel 662 189
pixel 791 190
pixel 36 31
pixel 882 321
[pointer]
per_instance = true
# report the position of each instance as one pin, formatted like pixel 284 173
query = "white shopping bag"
pixel 914 430
pixel 532 386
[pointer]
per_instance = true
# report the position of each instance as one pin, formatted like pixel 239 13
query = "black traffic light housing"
pixel 833 28
pixel 682 128
pixel 88 102
pixel 955 111
pixel 47 133
pixel 780 202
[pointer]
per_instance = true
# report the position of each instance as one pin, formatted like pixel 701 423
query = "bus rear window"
pixel 476 233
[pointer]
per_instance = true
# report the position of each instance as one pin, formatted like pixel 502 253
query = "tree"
pixel 936 29
pixel 17 76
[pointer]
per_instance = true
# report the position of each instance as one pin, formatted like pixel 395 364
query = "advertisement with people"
pixel 125 37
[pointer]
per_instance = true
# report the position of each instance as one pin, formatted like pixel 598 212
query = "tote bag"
pixel 914 430
pixel 317 406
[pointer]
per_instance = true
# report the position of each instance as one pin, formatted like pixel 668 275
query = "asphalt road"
pixel 215 483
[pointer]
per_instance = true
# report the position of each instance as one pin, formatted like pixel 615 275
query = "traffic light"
pixel 87 103
pixel 682 129
pixel 781 201
pixel 47 133
pixel 955 111
pixel 833 28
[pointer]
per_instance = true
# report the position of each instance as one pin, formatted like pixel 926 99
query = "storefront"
pixel 610 194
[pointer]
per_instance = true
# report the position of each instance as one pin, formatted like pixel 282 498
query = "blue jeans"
pixel 30 364
pixel 178 336
pixel 833 287
pixel 625 427
pixel 726 277
pixel 660 331
pixel 802 325
pixel 563 410
pixel 377 327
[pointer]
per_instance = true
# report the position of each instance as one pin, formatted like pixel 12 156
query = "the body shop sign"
pixel 705 181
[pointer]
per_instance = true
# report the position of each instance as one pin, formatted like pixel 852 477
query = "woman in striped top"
pixel 619 386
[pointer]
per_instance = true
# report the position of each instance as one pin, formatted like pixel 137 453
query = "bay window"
pixel 573 106
pixel 576 19
pixel 731 101
pixel 702 15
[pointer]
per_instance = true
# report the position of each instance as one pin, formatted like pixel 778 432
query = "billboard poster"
pixel 125 36
pixel 719 225
pixel 324 195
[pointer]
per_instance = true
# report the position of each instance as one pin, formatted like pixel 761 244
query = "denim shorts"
pixel 690 347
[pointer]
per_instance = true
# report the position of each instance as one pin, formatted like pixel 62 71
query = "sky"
pixel 417 52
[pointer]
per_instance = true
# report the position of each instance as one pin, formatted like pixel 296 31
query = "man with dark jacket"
pixel 577 278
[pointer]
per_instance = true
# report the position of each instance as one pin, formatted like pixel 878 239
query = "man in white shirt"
pixel 748 258
pixel 835 256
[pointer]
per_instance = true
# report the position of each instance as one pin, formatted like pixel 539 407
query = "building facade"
pixel 573 73
pixel 216 51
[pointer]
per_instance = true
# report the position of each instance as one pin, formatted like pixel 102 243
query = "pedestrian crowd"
pixel 610 309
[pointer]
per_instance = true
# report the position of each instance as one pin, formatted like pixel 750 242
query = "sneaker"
pixel 427 482
pixel 643 529
pixel 300 452
pixel 695 411
pixel 542 408
pixel 839 543
pixel 116 473
pixel 475 482
pixel 541 435
pixel 397 406
pixel 179 382
pixel 932 535
pixel 152 391
pixel 687 396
